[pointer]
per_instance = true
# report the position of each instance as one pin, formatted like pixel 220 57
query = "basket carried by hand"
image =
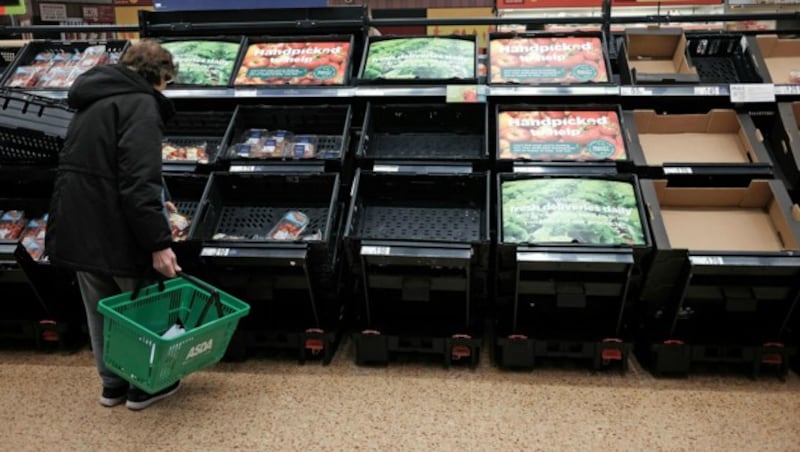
pixel 134 346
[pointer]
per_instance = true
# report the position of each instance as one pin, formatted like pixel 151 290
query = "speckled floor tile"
pixel 49 402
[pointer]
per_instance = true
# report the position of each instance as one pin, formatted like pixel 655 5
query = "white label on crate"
pixel 386 168
pixel 636 91
pixel 743 42
pixel 787 89
pixel 706 90
pixel 529 169
pixel 215 252
pixel 238 92
pixel 669 170
pixel 376 250
pixel 243 169
pixel 707 260
pixel 371 92
pixel 753 92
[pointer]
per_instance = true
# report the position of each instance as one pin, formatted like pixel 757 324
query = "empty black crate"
pixel 330 123
pixel 27 56
pixel 419 245
pixel 290 284
pixel 192 128
pixel 452 133
pixel 32 130
pixel 722 58
pixel 565 286
pixel 724 279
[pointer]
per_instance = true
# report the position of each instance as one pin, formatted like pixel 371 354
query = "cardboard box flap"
pixel 715 121
pixel 788 239
pixel 650 45
pixel 773 46
pixel 796 111
pixel 756 195
pixel 679 59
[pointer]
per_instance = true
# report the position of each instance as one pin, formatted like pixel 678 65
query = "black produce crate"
pixel 188 128
pixel 7 56
pixel 724 279
pixel 419 247
pixel 27 55
pixel 291 286
pixel 331 123
pixel 425 134
pixel 565 299
pixel 186 191
pixel 32 130
pixel 689 162
pixel 605 61
pixel 722 58
pixel 784 141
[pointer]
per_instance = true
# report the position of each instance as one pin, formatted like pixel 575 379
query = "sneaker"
pixel 114 396
pixel 139 400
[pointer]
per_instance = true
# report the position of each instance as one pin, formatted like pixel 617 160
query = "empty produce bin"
pixel 725 276
pixel 570 258
pixel 426 137
pixel 720 146
pixel 419 248
pixel 273 240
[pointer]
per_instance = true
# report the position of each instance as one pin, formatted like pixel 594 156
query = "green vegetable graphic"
pixel 571 210
pixel 208 63
pixel 421 58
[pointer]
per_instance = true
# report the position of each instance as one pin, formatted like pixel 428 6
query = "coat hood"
pixel 113 80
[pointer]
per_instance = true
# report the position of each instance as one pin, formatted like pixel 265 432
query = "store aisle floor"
pixel 49 402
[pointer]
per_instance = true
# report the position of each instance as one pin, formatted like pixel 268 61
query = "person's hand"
pixel 170 207
pixel 166 263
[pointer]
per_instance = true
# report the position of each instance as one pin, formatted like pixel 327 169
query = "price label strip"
pixel 756 92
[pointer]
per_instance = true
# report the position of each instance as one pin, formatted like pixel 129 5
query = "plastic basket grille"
pixel 721 59
pixel 421 223
pixel 20 146
pixel 188 208
pixel 425 145
pixel 258 221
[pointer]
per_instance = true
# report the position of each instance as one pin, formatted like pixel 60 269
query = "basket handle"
pixel 214 298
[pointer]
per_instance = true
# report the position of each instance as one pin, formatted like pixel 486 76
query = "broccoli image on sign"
pixel 205 63
pixel 571 210
pixel 420 58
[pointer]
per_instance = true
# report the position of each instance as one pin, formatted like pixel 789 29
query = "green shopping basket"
pixel 134 346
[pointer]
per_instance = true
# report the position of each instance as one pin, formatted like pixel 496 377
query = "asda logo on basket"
pixel 199 349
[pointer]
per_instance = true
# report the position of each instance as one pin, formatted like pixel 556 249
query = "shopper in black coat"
pixel 107 218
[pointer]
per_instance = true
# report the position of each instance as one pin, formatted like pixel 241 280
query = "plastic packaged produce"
pixel 195 152
pixel 33 237
pixel 290 227
pixel 303 147
pixel 12 223
pixel 180 225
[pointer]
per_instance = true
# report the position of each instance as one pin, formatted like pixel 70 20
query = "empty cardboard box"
pixel 656 57
pixel 781 59
pixel 696 142
pixel 756 218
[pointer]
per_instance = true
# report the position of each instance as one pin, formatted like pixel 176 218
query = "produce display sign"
pixel 206 63
pixel 295 63
pixel 420 59
pixel 571 210
pixel 547 60
pixel 560 135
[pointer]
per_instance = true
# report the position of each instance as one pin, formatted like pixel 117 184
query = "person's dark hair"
pixel 151 61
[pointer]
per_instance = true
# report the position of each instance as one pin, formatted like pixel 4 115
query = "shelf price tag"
pixel 386 168
pixel 707 260
pixel 707 90
pixel 239 92
pixel 243 169
pixel 755 92
pixel 376 250
pixel 215 252
pixel 677 170
pixel 787 90
pixel 371 92
pixel 636 91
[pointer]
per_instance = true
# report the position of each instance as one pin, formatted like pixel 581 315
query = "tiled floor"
pixel 49 402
